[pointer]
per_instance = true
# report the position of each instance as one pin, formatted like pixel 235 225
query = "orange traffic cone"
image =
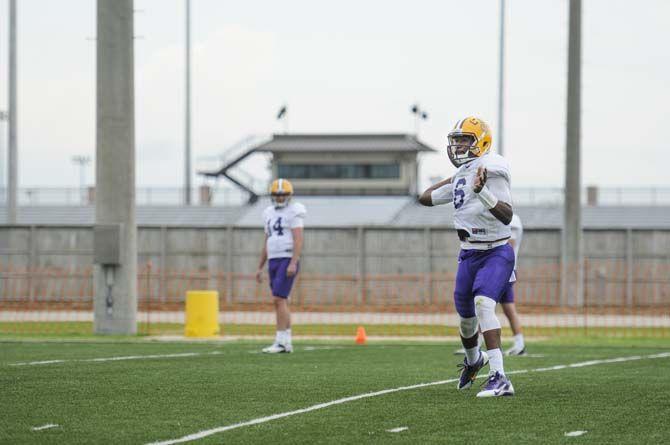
pixel 361 338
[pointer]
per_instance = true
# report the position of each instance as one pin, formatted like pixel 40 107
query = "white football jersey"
pixel 470 214
pixel 517 235
pixel 278 225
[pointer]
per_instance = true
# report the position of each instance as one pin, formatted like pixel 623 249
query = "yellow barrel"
pixel 202 313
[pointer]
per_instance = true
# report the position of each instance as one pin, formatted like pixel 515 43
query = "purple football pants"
pixel 280 283
pixel 482 272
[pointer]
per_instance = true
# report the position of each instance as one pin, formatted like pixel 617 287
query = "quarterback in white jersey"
pixel 283 222
pixel 480 191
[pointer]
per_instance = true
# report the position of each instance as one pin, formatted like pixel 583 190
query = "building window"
pixel 339 171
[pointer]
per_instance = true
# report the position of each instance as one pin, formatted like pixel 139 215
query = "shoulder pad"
pixel 496 165
pixel 298 209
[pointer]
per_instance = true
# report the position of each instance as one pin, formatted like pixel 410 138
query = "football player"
pixel 284 222
pixel 480 191
pixel 507 300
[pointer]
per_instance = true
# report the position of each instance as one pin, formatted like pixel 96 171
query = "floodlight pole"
pixel 572 272
pixel 3 185
pixel 187 112
pixel 82 162
pixel 12 153
pixel 501 80
pixel 115 232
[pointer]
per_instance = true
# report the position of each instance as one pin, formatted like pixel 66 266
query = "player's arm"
pixel 263 259
pixel 297 251
pixel 437 194
pixel 498 208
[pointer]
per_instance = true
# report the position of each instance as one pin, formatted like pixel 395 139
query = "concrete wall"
pixel 623 267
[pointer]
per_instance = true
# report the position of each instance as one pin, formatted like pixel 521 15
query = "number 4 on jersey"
pixel 277 227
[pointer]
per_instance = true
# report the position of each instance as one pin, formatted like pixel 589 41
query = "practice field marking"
pixel 397 430
pixel 44 427
pixel 306 349
pixel 206 433
pixel 575 433
pixel 116 359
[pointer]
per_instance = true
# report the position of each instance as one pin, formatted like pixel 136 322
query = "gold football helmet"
pixel 470 139
pixel 281 187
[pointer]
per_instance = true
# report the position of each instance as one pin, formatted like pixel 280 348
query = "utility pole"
pixel 115 232
pixel 187 117
pixel 501 81
pixel 4 116
pixel 572 265
pixel 82 162
pixel 12 155
pixel 419 115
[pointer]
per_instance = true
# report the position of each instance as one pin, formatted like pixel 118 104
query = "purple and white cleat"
pixel 497 385
pixel 469 372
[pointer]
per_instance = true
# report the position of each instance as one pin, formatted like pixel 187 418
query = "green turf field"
pixel 146 399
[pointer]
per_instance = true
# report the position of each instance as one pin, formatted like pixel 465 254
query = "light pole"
pixel 82 161
pixel 501 80
pixel 187 111
pixel 419 115
pixel 3 185
pixel 12 151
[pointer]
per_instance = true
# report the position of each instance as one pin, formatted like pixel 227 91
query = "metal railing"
pixel 228 195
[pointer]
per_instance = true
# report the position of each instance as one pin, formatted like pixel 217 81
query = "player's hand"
pixel 480 180
pixel 292 269
pixel 259 275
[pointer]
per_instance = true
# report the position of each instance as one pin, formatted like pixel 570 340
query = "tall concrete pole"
pixel 3 184
pixel 501 81
pixel 12 153
pixel 115 303
pixel 187 117
pixel 572 264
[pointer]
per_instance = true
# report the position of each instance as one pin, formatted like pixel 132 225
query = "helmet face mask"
pixel 470 139
pixel 280 200
pixel 461 148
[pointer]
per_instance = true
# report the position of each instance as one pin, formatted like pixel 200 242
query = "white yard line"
pixel 575 433
pixel 206 433
pixel 119 358
pixel 44 427
pixel 305 349
pixel 397 430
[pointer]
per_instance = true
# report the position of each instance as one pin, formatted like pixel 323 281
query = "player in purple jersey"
pixel 480 191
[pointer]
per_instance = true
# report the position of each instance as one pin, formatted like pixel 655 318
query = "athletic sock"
pixel 472 355
pixel 279 337
pixel 496 360
pixel 288 336
pixel 518 342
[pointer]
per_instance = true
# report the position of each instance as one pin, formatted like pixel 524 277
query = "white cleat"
pixel 515 351
pixel 277 348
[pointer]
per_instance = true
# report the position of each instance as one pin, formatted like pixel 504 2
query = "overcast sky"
pixel 352 66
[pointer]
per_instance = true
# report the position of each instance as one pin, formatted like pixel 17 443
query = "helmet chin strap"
pixel 465 158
